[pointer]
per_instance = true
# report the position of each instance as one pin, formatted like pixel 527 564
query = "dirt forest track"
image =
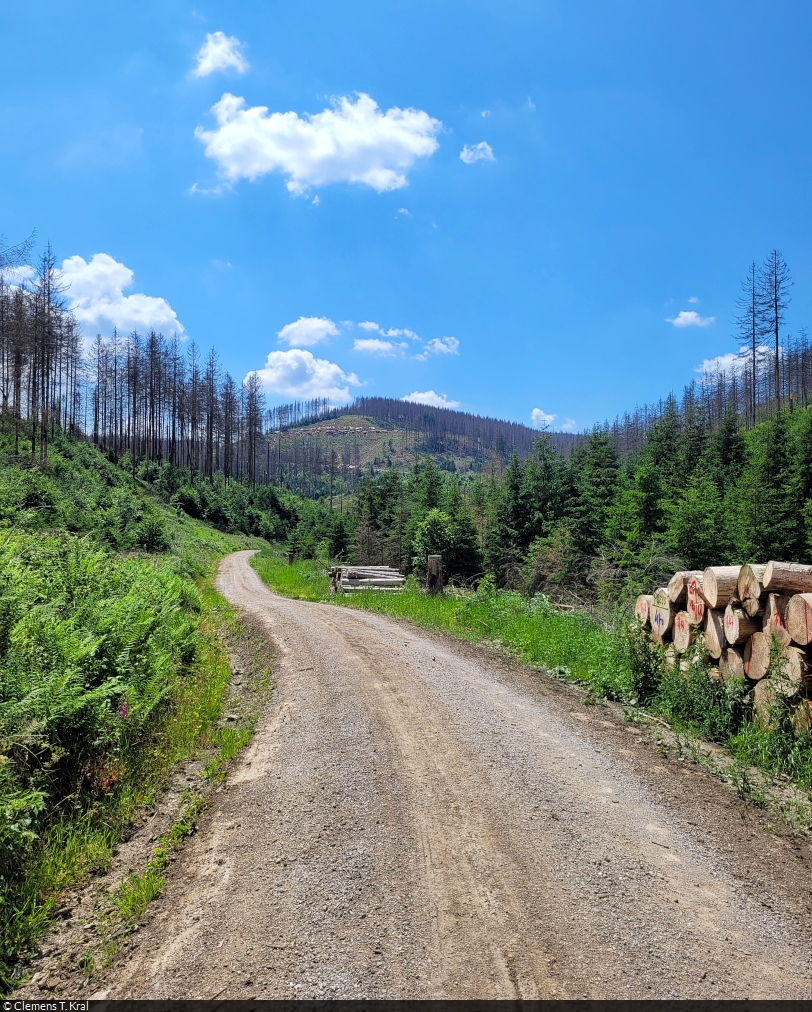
pixel 416 818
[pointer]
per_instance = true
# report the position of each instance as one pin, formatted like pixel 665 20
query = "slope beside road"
pixel 417 819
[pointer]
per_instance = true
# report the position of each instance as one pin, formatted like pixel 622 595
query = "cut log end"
pixel 799 618
pixel 720 584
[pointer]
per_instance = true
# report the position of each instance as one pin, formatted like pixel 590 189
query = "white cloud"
pixel 690 318
pixel 569 425
pixel 374 346
pixel 307 331
pixel 403 210
pixel 15 276
pixel 485 113
pixel 693 298
pixel 443 346
pixel 219 52
pixel 439 346
pixel 317 200
pixel 431 398
pixel 354 142
pixel 297 373
pixel 369 325
pixel 531 105
pixel 481 152
pixel 97 300
pixel 733 362
pixel 540 419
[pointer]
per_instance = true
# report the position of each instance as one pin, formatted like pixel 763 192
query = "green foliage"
pixel 109 669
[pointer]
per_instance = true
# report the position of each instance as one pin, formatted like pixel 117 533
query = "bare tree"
pixel 775 284
pixel 750 321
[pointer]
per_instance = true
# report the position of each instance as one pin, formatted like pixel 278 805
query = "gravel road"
pixel 417 818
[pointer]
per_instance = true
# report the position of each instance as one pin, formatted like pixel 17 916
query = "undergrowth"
pixel 111 672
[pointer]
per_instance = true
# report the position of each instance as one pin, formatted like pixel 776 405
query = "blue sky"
pixel 514 197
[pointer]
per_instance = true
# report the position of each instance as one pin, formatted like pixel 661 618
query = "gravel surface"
pixel 417 818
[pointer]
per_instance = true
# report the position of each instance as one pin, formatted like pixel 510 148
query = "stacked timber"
pixel 365 577
pixel 753 622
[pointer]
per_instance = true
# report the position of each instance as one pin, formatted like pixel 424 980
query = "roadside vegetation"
pixel 606 655
pixel 111 670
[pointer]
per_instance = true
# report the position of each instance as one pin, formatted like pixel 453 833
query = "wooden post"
pixel 434 576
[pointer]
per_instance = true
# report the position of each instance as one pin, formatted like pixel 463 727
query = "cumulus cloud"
pixel 693 298
pixel 439 346
pixel 481 152
pixel 98 302
pixel 431 398
pixel 375 346
pixel 353 142
pixel 540 419
pixel 372 327
pixel 690 318
pixel 569 425
pixel 298 373
pixel 443 346
pixel 17 275
pixel 734 362
pixel 219 52
pixel 307 331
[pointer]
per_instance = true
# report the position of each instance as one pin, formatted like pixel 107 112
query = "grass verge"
pixel 609 661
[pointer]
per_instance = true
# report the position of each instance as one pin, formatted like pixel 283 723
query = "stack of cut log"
pixel 365 577
pixel 733 613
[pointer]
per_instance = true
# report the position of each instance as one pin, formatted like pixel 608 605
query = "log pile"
pixel 740 618
pixel 365 578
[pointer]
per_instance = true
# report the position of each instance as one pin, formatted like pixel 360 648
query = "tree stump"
pixel 434 576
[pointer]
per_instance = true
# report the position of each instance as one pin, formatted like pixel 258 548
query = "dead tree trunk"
pixel 434 576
